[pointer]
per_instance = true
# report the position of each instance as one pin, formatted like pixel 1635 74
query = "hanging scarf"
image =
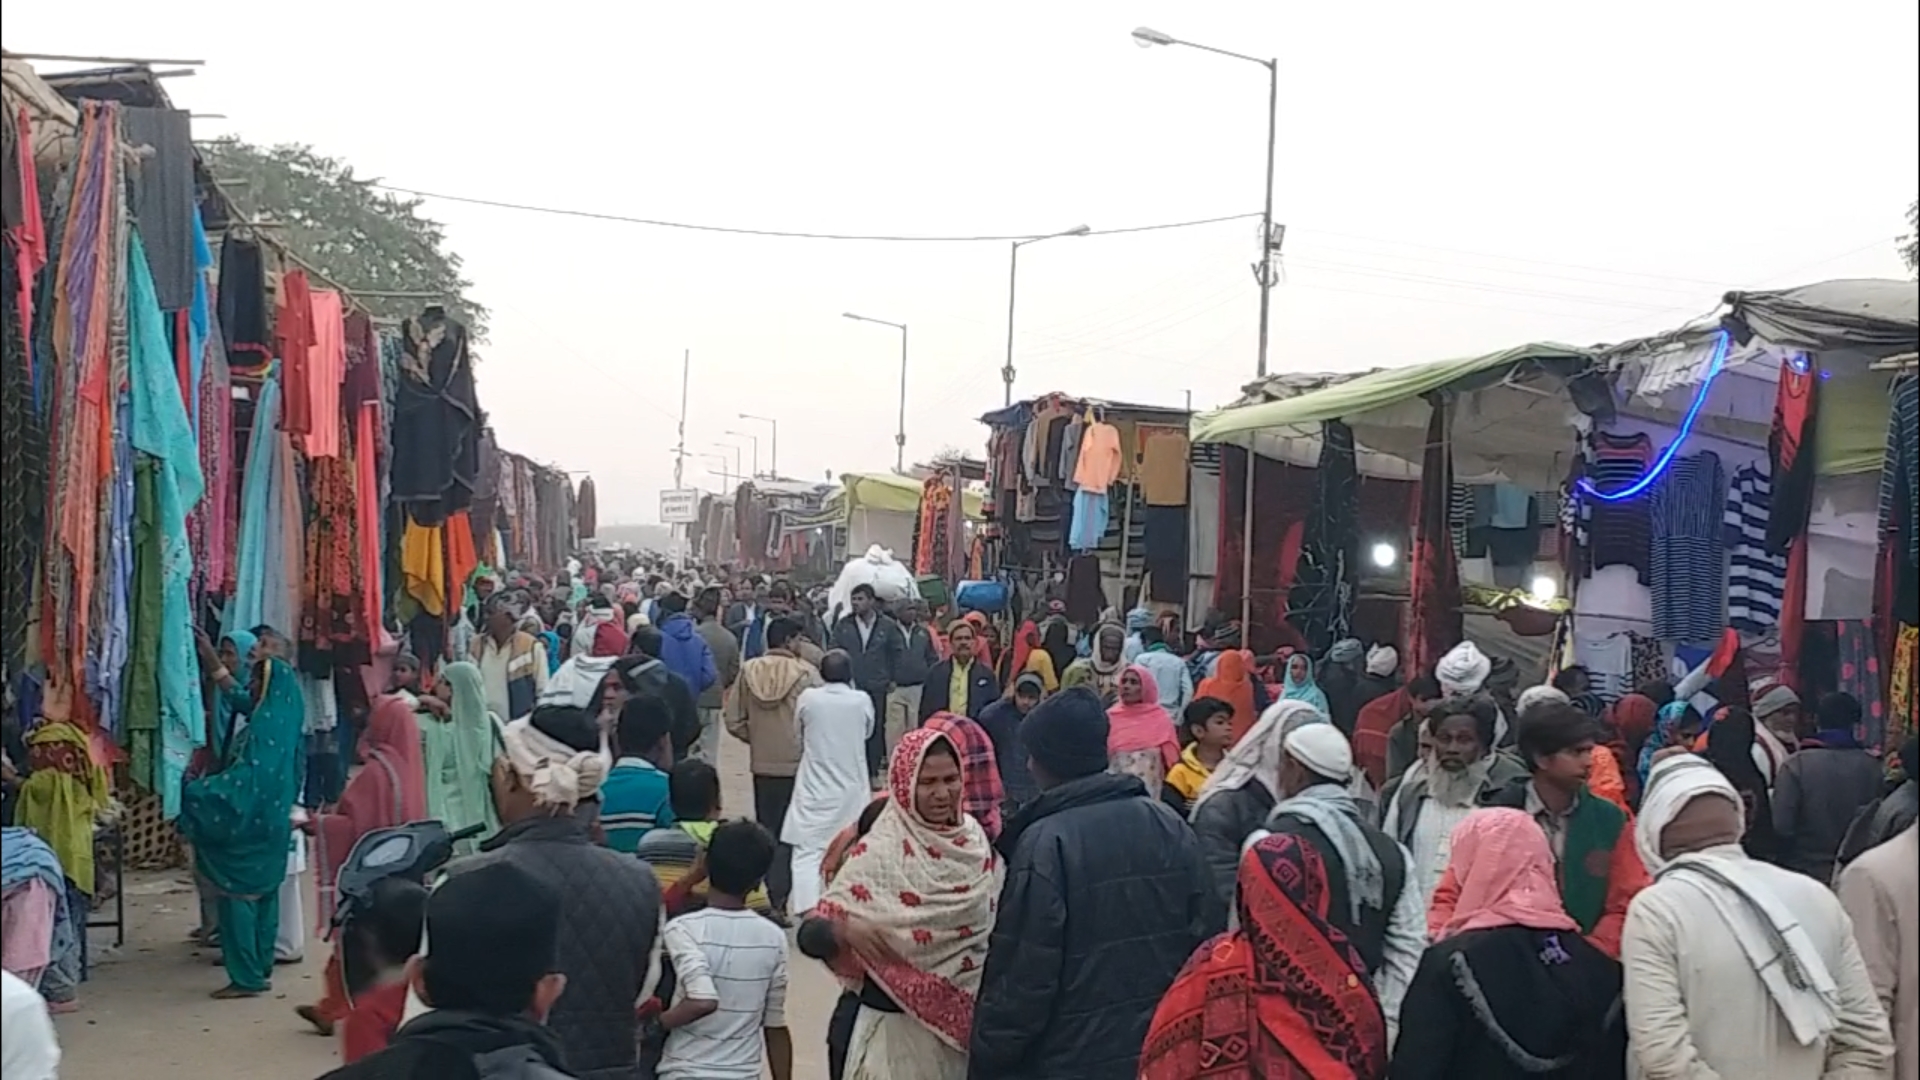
pixel 162 431
pixel 933 887
pixel 1285 997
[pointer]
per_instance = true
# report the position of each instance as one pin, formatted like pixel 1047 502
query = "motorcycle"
pixel 411 852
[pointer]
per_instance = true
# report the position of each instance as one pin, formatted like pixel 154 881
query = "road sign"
pixel 680 506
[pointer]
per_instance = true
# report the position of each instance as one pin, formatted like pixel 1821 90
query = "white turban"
pixel 1745 894
pixel 558 775
pixel 1672 784
pixel 1540 695
pixel 1463 670
pixel 1382 660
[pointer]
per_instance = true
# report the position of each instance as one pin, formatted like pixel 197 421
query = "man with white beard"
pixel 1424 805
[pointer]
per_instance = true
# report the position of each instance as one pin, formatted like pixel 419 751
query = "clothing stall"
pixel 1087 502
pixel 1665 489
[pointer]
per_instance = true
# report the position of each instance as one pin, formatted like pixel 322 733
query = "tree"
pixel 1910 243
pixel 364 240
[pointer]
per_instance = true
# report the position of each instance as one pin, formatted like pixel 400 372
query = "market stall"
pixel 1690 485
pixel 886 509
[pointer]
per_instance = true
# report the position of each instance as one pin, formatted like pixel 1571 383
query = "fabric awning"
pixel 1875 316
pixel 893 494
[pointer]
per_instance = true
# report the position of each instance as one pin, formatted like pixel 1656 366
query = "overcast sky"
pixel 1455 178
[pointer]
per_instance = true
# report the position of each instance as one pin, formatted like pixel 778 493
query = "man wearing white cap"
pixel 1367 893
pixel 1735 968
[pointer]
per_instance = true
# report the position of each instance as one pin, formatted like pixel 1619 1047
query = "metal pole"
pixel 1246 553
pixel 773 452
pixel 1013 270
pixel 1266 215
pixel 680 452
pixel 900 438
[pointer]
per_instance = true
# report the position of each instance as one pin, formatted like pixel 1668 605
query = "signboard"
pixel 680 506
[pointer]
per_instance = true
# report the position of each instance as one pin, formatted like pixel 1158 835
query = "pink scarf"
pixel 1145 726
pixel 1504 869
pixel 390 789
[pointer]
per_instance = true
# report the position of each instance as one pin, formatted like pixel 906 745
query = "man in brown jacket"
pixel 760 713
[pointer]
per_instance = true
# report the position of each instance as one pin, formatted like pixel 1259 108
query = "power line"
pixel 595 215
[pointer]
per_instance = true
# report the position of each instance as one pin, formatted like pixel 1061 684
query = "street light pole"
pixel 738 468
pixel 900 434
pixel 755 439
pixel 1147 38
pixel 1013 277
pixel 773 451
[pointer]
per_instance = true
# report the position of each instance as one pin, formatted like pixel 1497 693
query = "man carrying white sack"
pixel 1735 968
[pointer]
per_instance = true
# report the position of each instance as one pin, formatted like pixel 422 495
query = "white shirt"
pixel 866 628
pixel 1695 1007
pixel 29 1051
pixel 739 959
pixel 831 786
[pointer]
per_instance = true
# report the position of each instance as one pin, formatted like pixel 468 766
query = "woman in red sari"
pixel 390 789
pixel 1284 997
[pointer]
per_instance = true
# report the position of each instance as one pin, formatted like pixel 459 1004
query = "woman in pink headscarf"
pixel 1141 740
pixel 1509 989
pixel 390 789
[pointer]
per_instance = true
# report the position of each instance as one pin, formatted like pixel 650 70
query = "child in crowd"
pixel 728 1015
pixel 379 943
pixel 1206 730
pixel 634 800
pixel 694 790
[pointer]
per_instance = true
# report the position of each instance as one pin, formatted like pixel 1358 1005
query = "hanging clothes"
pixel 586 510
pixel 1163 465
pixel 164 203
pixel 326 370
pixel 293 341
pixel 1434 622
pixel 1756 580
pixel 1617 532
pixel 242 300
pixel 1099 463
pixel 161 431
pixel 1899 484
pixel 1090 514
pixel 333 629
pixel 1790 453
pixel 1688 514
pixel 269 546
pixel 436 452
pixel 423 561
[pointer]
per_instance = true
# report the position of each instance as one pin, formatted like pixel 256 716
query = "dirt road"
pixel 146 1012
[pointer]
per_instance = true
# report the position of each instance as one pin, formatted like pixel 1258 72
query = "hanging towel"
pixel 164 209
pixel 242 300
pixel 326 370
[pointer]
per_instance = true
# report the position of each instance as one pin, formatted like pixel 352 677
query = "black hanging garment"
pixel 436 420
pixel 245 318
pixel 163 199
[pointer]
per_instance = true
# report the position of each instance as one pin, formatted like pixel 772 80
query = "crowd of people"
pixel 1087 852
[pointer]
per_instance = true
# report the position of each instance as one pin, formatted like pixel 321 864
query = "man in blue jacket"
pixel 683 650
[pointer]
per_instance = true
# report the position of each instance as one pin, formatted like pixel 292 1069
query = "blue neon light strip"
pixel 1722 342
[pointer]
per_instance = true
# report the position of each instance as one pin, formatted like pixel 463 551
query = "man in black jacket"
pixel 876 644
pixel 1106 896
pixel 490 978
pixel 903 705
pixel 961 668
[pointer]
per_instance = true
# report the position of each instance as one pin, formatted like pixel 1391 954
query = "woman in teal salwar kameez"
pixel 230 700
pixel 240 823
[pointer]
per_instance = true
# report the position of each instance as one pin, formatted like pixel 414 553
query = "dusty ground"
pixel 145 1011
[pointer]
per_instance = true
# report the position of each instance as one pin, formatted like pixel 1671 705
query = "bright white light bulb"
pixel 1384 555
pixel 1544 589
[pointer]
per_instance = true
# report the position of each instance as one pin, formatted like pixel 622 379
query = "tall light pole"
pixel 726 470
pixel 900 434
pixel 1147 38
pixel 755 439
pixel 1013 276
pixel 773 451
pixel 738 468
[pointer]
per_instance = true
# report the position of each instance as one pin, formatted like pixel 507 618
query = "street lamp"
pixel 1013 276
pixel 1147 38
pixel 737 467
pixel 773 451
pixel 900 434
pixel 726 469
pixel 756 447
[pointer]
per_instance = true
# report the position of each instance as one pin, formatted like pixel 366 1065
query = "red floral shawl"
pixel 1285 997
pixel 934 888
pixel 983 791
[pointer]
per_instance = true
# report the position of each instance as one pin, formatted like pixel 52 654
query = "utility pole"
pixel 680 450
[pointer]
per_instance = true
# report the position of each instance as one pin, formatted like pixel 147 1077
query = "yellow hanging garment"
pixel 423 565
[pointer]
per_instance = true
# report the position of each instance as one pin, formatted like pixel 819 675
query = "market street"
pixel 148 1002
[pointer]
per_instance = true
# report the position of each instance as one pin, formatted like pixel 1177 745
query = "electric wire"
pixel 792 234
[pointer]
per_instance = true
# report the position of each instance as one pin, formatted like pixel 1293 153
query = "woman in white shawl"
pixel 908 917
pixel 1736 968
pixel 1244 789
